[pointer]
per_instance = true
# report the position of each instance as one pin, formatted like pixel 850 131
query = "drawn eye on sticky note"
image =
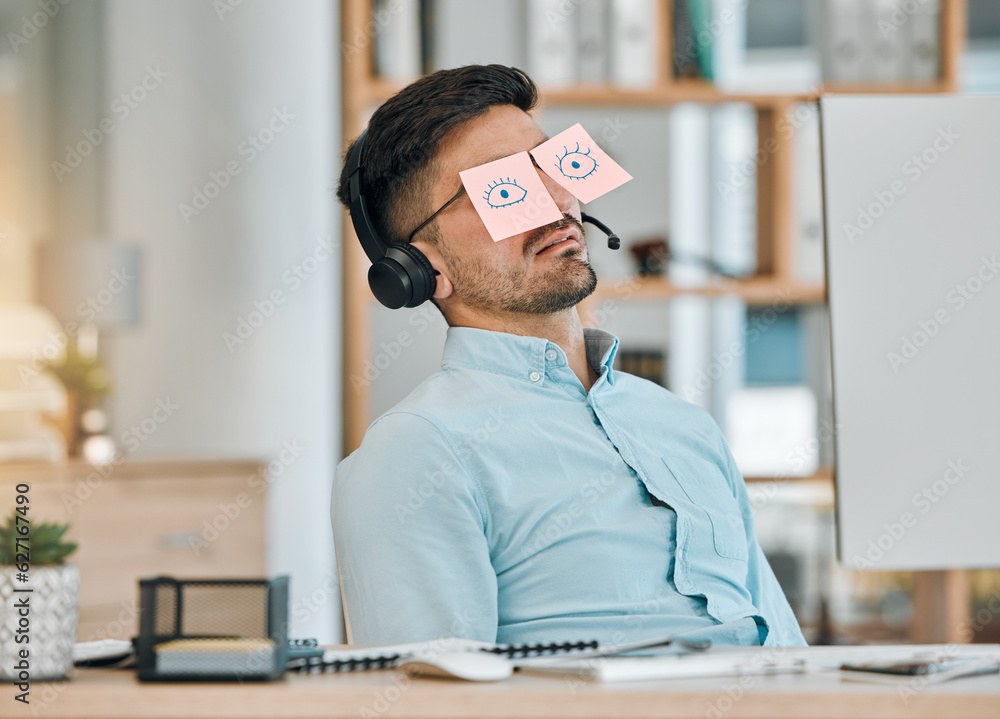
pixel 509 196
pixel 574 160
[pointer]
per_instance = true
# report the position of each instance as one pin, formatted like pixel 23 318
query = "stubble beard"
pixel 570 280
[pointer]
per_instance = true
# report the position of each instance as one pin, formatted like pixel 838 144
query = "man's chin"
pixel 573 287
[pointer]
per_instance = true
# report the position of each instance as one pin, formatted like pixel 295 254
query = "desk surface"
pixel 114 694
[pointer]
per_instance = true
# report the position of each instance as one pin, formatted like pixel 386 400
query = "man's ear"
pixel 444 286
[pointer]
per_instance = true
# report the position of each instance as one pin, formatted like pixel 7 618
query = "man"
pixel 527 491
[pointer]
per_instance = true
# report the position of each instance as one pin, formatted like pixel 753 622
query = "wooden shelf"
pixel 896 88
pixel 757 291
pixel 606 95
pixel 363 90
pixel 823 474
pixel 669 94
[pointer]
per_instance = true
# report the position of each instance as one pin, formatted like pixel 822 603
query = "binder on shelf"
pixel 703 39
pixel 770 431
pixel 398 42
pixel 818 375
pixel 458 39
pixel 688 191
pixel 648 364
pixel 841 50
pixel 924 42
pixel 552 43
pixel 885 36
pixel 809 261
pixel 592 40
pixel 684 57
pixel 633 43
pixel 733 197
pixel 727 371
pixel 729 43
pixel 689 225
pixel 733 205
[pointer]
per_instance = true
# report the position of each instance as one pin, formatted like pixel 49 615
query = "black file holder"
pixel 212 629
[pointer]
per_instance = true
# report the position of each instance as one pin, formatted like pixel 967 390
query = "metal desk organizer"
pixel 212 629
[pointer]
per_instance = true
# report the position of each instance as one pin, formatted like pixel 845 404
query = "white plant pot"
pixel 53 607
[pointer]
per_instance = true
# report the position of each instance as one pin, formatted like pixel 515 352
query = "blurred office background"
pixel 174 288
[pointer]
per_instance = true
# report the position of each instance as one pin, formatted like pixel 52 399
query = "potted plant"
pixel 47 614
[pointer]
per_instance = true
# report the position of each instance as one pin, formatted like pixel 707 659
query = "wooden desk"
pixel 115 694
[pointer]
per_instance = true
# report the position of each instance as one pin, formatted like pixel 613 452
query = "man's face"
pixel 523 274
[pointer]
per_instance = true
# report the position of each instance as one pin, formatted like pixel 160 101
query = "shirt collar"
pixel 518 356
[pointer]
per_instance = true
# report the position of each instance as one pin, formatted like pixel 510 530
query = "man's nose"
pixel 565 200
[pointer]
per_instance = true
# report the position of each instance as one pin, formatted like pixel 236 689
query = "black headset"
pixel 401 275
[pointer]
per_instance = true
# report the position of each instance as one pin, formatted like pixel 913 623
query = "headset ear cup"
pixel 403 278
pixel 421 274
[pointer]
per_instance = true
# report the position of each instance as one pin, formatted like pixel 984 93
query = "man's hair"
pixel 404 134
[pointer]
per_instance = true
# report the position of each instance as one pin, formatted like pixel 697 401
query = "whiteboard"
pixel 911 189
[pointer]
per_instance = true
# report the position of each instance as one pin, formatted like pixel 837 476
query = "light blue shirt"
pixel 500 501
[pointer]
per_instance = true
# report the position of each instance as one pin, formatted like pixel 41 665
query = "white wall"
pixel 225 78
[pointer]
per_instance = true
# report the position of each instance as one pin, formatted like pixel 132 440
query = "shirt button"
pixel 534 376
pixel 550 355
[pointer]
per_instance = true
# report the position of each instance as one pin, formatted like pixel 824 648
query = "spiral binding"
pixel 313 665
pixel 517 651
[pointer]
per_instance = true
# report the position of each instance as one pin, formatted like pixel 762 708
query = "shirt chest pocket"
pixel 709 493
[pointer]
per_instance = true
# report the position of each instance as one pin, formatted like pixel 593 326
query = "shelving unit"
pixel 362 90
pixel 941 595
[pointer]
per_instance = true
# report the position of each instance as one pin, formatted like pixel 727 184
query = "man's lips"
pixel 556 239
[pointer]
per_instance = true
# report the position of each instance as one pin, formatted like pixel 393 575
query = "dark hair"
pixel 404 134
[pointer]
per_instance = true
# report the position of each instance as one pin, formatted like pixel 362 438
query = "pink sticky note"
pixel 509 196
pixel 574 160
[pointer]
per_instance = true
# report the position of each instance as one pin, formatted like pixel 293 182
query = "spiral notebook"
pixel 349 659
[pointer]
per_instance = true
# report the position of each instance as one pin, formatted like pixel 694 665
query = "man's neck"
pixel 561 328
